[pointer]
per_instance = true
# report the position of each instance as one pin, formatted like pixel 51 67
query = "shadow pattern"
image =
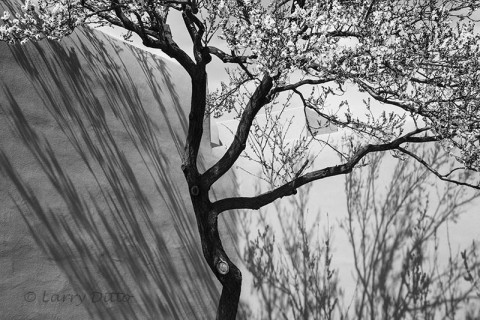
pixel 105 230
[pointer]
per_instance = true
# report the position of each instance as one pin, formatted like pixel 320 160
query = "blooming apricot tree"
pixel 419 58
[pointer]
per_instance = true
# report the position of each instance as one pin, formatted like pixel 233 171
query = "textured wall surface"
pixel 95 222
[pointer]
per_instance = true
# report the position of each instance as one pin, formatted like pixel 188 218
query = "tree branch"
pixel 377 96
pixel 302 83
pixel 259 98
pixel 226 58
pixel 443 177
pixel 196 29
pixel 290 188
pixel 158 39
pixel 246 15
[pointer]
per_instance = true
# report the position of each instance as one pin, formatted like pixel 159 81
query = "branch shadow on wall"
pixel 105 230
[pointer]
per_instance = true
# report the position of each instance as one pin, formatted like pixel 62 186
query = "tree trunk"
pixel 226 272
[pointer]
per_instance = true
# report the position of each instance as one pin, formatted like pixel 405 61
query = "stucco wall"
pixel 93 198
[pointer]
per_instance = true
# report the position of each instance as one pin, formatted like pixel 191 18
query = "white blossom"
pixel 424 59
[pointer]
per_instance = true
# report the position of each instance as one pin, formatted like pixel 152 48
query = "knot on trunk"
pixel 195 190
pixel 222 267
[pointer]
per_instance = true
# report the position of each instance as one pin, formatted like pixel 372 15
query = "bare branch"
pixel 377 96
pixel 158 39
pixel 425 139
pixel 443 177
pixel 302 83
pixel 196 29
pixel 226 58
pixel 259 98
pixel 291 187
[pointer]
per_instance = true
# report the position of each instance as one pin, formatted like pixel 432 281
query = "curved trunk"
pixel 226 272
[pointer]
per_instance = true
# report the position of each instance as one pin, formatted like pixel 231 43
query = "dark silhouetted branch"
pixel 290 188
pixel 302 83
pixel 259 98
pixel 226 58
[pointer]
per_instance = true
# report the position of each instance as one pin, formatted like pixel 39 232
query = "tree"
pixel 418 58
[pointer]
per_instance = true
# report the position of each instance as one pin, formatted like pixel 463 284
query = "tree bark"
pixel 225 271
pixel 206 216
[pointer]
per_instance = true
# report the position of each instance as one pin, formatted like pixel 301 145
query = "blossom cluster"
pixel 38 19
pixel 420 57
pixel 55 19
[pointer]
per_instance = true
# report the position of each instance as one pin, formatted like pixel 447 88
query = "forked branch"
pixel 291 187
pixel 226 58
